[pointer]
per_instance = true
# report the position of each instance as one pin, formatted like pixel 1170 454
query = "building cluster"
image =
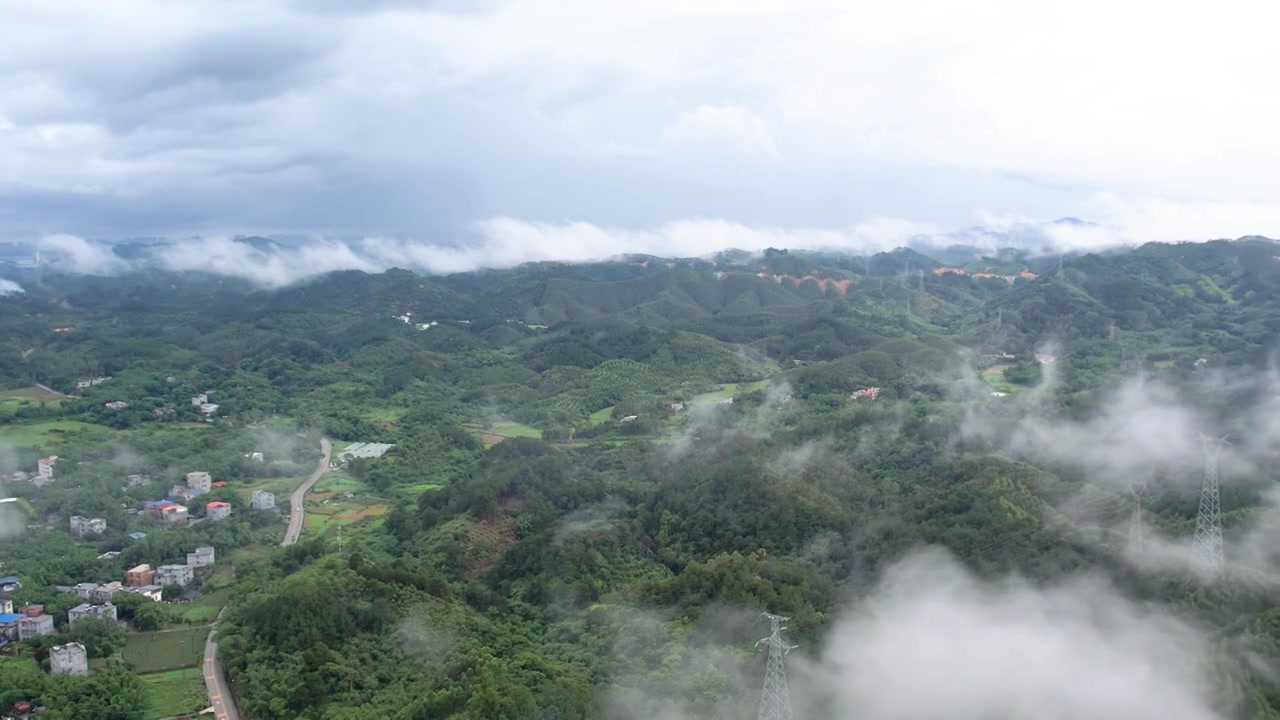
pixel 82 526
pixel 92 382
pixel 29 623
pixel 141 580
pixel 116 405
pixel 871 393
pixel 172 511
pixel 41 477
pixel 201 402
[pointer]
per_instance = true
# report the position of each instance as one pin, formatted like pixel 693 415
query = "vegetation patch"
pixel 28 397
pixel 207 607
pixel 43 434
pixel 727 391
pixel 507 428
pixel 163 650
pixel 174 692
pixel 994 376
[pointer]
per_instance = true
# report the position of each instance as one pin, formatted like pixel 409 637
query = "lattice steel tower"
pixel 1206 551
pixel 1136 488
pixel 775 700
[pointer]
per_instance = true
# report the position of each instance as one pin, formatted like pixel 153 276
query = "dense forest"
pixel 602 475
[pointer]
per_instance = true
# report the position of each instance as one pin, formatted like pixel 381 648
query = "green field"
pixel 419 488
pixel 281 487
pixel 326 507
pixel 727 391
pixel 995 378
pixel 206 608
pixel 28 397
pixel 601 417
pixel 165 649
pixel 14 664
pixel 515 429
pixel 174 692
pixel 39 435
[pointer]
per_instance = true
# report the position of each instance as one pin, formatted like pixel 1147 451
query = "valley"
pixel 575 493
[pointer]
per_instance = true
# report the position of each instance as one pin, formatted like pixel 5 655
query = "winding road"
pixel 296 516
pixel 215 680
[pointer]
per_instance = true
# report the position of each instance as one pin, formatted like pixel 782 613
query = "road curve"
pixel 215 680
pixel 296 515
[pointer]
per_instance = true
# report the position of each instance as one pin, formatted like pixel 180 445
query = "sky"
pixel 535 125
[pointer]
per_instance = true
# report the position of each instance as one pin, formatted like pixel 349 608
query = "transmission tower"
pixel 1136 488
pixel 1206 552
pixel 775 700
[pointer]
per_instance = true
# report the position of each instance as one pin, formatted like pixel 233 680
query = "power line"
pixel 775 699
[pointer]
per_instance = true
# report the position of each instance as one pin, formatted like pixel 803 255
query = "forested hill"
pixel 602 473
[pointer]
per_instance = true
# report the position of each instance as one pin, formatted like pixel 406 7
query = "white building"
pixel 216 511
pixel 174 575
pixel 208 409
pixel 138 479
pixel 69 659
pixel 31 627
pixel 106 613
pixel 262 500
pixel 199 481
pixel 81 526
pixel 202 557
pixel 200 399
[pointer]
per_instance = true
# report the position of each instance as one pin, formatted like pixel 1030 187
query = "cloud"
pixel 9 287
pixel 1006 648
pixel 408 118
pixel 79 255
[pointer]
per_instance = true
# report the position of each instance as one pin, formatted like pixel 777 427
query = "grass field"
pixel 27 397
pixel 994 376
pixel 174 692
pixel 279 486
pixel 601 417
pixel 166 649
pixel 419 488
pixel 14 664
pixel 727 391
pixel 515 429
pixel 206 608
pixel 39 435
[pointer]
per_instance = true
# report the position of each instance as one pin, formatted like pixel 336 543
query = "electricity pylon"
pixel 775 700
pixel 1206 551
pixel 1136 488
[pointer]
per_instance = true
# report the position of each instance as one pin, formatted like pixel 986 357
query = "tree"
pixel 150 616
pixel 100 638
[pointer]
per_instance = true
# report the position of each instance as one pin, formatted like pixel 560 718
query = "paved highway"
pixel 215 680
pixel 296 516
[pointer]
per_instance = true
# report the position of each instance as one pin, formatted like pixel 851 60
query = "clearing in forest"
pixel 40 435
pixel 28 397
pixel 162 650
pixel 994 376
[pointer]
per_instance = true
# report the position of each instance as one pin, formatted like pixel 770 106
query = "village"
pixel 43 621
